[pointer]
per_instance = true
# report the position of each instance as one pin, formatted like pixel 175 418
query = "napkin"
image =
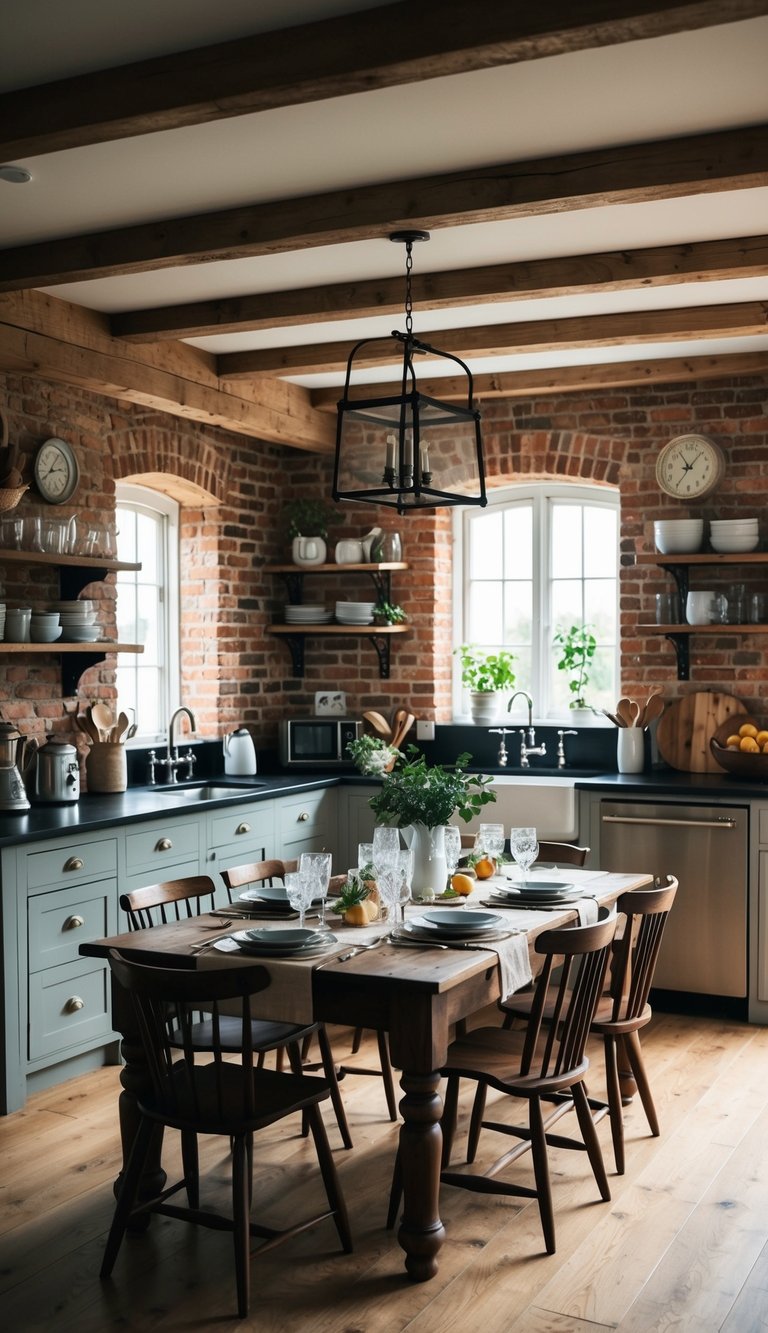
pixel 514 963
pixel 287 998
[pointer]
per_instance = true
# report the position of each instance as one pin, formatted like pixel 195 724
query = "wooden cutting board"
pixel 685 728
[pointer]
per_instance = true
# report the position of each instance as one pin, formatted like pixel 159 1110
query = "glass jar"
pixel 391 546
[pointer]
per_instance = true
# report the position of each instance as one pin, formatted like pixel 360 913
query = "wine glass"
pixel 524 846
pixel 405 879
pixel 298 890
pixel 364 854
pixel 452 838
pixel 386 852
pixel 316 866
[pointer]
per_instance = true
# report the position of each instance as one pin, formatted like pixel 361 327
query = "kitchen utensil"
pixel 398 718
pixel 120 728
pixel 403 729
pixel 685 728
pixel 87 726
pixel 654 707
pixel 612 717
pixel 102 718
pixel 379 724
pixel 13 752
pixel 239 753
pixel 628 710
pixel 55 775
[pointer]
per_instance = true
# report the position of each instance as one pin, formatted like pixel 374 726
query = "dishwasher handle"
pixel 669 823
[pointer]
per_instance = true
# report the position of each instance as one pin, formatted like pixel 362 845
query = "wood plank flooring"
pixel 683 1244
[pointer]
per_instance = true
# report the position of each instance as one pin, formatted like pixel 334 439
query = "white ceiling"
pixel 687 83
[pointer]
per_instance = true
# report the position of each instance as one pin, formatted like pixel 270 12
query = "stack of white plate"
pixel 310 614
pixel 288 942
pixel 78 621
pixel 675 536
pixel 731 535
pixel 354 613
pixel 2 620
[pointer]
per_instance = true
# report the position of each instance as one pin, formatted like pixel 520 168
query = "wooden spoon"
pixel 403 730
pixel 628 710
pixel 654 707
pixel 379 724
pixel 102 718
pixel 86 725
pixel 120 728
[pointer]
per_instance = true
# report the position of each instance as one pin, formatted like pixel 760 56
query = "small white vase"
pixel 308 551
pixel 630 749
pixel 484 706
pixel 430 871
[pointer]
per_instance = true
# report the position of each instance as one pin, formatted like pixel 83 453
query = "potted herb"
pixel 372 756
pixel 307 521
pixel 421 800
pixel 386 614
pixel 487 676
pixel 578 646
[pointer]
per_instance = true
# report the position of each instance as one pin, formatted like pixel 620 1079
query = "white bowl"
pixel 734 546
pixel 674 545
pixel 88 634
pixel 44 633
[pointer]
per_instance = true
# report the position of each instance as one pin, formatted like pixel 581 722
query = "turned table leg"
pixel 421 1232
pixel 134 1078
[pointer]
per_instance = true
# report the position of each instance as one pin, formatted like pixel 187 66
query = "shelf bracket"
pixel 295 645
pixel 382 645
pixel 682 646
pixel 73 666
pixel 680 575
pixel 382 582
pixel 73 578
pixel 294 582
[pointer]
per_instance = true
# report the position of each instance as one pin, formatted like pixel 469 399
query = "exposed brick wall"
pixel 233 670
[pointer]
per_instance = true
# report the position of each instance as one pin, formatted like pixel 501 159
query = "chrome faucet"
pixel 561 746
pixel 529 746
pixel 172 760
pixel 503 754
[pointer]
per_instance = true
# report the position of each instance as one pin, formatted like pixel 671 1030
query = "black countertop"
pixel 137 803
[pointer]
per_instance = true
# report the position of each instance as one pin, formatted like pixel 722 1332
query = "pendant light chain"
pixel 408 294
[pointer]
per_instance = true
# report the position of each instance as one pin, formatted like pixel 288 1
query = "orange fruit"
pixel 765 748
pixel 749 745
pixel 461 884
pixel 733 742
pixel 747 729
pixel 357 915
pixel 485 867
pixel 761 737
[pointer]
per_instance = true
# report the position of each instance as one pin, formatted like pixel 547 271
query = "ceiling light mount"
pixel 411 450
pixel 15 175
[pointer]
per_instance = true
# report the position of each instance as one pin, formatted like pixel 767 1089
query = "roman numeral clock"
pixel 690 467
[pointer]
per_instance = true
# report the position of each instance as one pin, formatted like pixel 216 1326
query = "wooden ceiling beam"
pixel 637 326
pixel 334 57
pixel 632 173
pixel 610 271
pixel 567 379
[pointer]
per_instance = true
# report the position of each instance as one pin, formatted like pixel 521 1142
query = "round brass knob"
pixel 73 1004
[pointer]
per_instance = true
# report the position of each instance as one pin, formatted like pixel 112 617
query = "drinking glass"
pixel 316 868
pixel 524 846
pixel 405 873
pixel 386 852
pixel 364 854
pixel 452 838
pixel 298 890
pixel 490 839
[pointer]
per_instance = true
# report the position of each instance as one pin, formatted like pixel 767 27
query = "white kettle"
pixel 239 754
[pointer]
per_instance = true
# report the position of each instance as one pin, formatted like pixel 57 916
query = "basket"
pixel 106 769
pixel 10 498
pixel 738 762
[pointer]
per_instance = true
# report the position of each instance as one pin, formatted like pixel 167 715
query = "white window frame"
pixel 156 503
pixel 540 494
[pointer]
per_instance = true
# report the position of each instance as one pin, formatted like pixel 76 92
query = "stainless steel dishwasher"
pixel 705 847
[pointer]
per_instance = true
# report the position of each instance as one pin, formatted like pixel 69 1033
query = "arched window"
pixel 148 608
pixel 540 557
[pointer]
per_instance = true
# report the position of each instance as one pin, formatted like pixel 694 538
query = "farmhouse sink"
pixel 546 803
pixel 207 791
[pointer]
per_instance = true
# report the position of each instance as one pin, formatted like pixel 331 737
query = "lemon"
pixel 747 729
pixel 749 745
pixel 461 884
pixel 761 737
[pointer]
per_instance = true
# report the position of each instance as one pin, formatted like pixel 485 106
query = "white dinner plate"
pixel 321 943
pixel 268 893
pixel 468 922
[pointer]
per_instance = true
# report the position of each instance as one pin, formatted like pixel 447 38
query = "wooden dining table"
pixel 416 995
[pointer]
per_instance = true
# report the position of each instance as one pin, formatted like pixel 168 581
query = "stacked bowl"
pixel 734 535
pixel 678 536
pixel 354 613
pixel 44 627
pixel 78 622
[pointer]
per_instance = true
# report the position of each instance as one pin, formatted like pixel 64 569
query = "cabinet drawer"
pixel 76 863
pixel 304 818
pixel 60 921
pixel 68 1007
pixel 160 844
pixel 246 825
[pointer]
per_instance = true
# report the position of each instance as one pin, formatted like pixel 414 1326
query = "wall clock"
pixel 56 471
pixel 689 467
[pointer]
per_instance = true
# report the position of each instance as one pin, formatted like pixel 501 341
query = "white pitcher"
pixel 430 870
pixel 308 551
pixel 239 754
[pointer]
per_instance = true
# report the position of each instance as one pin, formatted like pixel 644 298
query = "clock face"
pixel 56 471
pixel 689 467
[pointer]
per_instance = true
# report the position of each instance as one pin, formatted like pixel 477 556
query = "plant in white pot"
pixel 307 519
pixel 578 645
pixel 487 676
pixel 421 800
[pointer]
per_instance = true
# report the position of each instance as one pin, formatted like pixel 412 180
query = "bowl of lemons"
pixel 740 746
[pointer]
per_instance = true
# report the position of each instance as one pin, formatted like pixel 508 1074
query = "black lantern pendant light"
pixel 408 450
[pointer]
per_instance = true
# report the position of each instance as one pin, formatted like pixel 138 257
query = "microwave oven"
pixel 317 742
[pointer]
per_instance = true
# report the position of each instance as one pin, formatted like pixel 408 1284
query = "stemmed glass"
pixel 405 879
pixel 524 846
pixel 316 867
pixel 452 838
pixel 386 853
pixel 298 890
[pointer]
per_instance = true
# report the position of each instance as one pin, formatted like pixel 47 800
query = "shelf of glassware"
pixel 678 565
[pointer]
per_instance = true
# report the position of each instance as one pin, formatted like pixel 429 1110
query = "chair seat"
pixel 213 1097
pixel 493 1055
pixel 266 1035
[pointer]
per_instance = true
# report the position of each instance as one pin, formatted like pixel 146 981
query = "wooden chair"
pixel 550 1069
pixel 178 898
pixel 220 1096
pixel 558 853
pixel 261 872
pixel 623 1009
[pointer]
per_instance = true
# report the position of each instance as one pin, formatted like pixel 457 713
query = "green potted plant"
pixel 372 756
pixel 384 613
pixel 487 676
pixel 577 646
pixel 421 800
pixel 307 520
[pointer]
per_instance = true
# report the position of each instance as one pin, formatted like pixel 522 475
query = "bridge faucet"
pixel 525 750
pixel 522 693
pixel 528 746
pixel 172 760
pixel 503 754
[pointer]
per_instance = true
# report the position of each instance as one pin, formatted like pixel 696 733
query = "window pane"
pixel 600 608
pixel 600 551
pixel 484 612
pixel 518 542
pixel 566 541
pixel 518 613
pixel 566 603
pixel 148 536
pixel 486 535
